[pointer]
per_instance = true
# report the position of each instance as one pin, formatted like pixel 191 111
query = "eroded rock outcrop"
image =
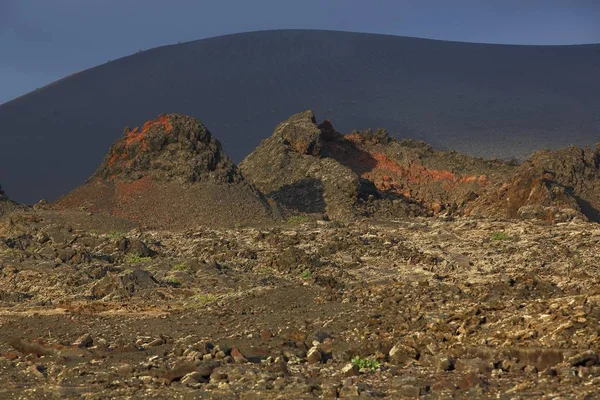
pixel 172 173
pixel 289 168
pixel 6 204
pixel 553 185
pixel 310 168
pixel 436 181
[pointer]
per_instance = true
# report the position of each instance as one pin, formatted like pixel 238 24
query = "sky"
pixel 44 40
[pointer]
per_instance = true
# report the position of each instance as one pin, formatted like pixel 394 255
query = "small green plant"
pixel 172 281
pixel 366 363
pixel 306 275
pixel 298 219
pixel 136 259
pixel 200 300
pixel 116 235
pixel 266 271
pixel 9 252
pixel 501 236
pixel 180 267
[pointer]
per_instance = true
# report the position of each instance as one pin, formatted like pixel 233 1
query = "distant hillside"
pixel 487 100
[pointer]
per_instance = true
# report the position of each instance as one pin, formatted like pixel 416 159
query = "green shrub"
pixel 306 275
pixel 298 219
pixel 501 236
pixel 200 300
pixel 366 363
pixel 116 235
pixel 180 267
pixel 172 281
pixel 136 259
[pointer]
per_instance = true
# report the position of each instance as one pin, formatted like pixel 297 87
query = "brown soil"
pixel 431 308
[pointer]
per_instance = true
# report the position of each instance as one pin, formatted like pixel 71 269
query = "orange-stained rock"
pixel 170 174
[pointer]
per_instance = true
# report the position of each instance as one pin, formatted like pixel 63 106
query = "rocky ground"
pixel 326 266
pixel 431 307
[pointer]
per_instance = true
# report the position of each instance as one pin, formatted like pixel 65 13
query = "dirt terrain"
pixel 432 307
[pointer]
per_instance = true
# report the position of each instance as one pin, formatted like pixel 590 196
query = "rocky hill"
pixel 314 169
pixel 171 173
pixel 551 185
pixel 6 204
pixel 478 99
pixel 310 168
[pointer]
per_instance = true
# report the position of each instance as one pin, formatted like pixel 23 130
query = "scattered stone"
pixel 350 370
pixel 39 371
pixel 193 378
pixel 279 366
pixel 473 365
pixel 238 356
pixel 84 341
pixel 439 362
pixel 266 334
pixel 530 369
pixel 401 354
pixel 409 391
pixel 314 355
pixel 179 371
pixel 349 391
pixel 586 359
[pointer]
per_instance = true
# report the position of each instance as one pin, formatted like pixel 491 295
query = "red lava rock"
pixel 472 380
pixel 10 356
pixel 238 356
pixel 266 334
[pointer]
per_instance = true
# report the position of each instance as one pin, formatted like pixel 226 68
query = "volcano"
pixel 479 99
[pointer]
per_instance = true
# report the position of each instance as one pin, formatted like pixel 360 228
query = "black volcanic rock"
pixel 172 173
pixel 172 147
pixel 301 133
pixel 552 185
pixel 479 99
pixel 287 167
pixel 313 169
pixel 6 204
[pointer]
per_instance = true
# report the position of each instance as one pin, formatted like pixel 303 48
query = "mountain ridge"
pixel 490 100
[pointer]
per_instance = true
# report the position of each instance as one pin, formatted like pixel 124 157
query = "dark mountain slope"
pixel 485 100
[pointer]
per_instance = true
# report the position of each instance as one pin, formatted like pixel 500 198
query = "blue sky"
pixel 42 40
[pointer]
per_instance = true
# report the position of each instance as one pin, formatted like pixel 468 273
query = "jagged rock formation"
pixel 434 180
pixel 310 168
pixel 314 169
pixel 6 204
pixel 172 173
pixel 287 167
pixel 552 185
